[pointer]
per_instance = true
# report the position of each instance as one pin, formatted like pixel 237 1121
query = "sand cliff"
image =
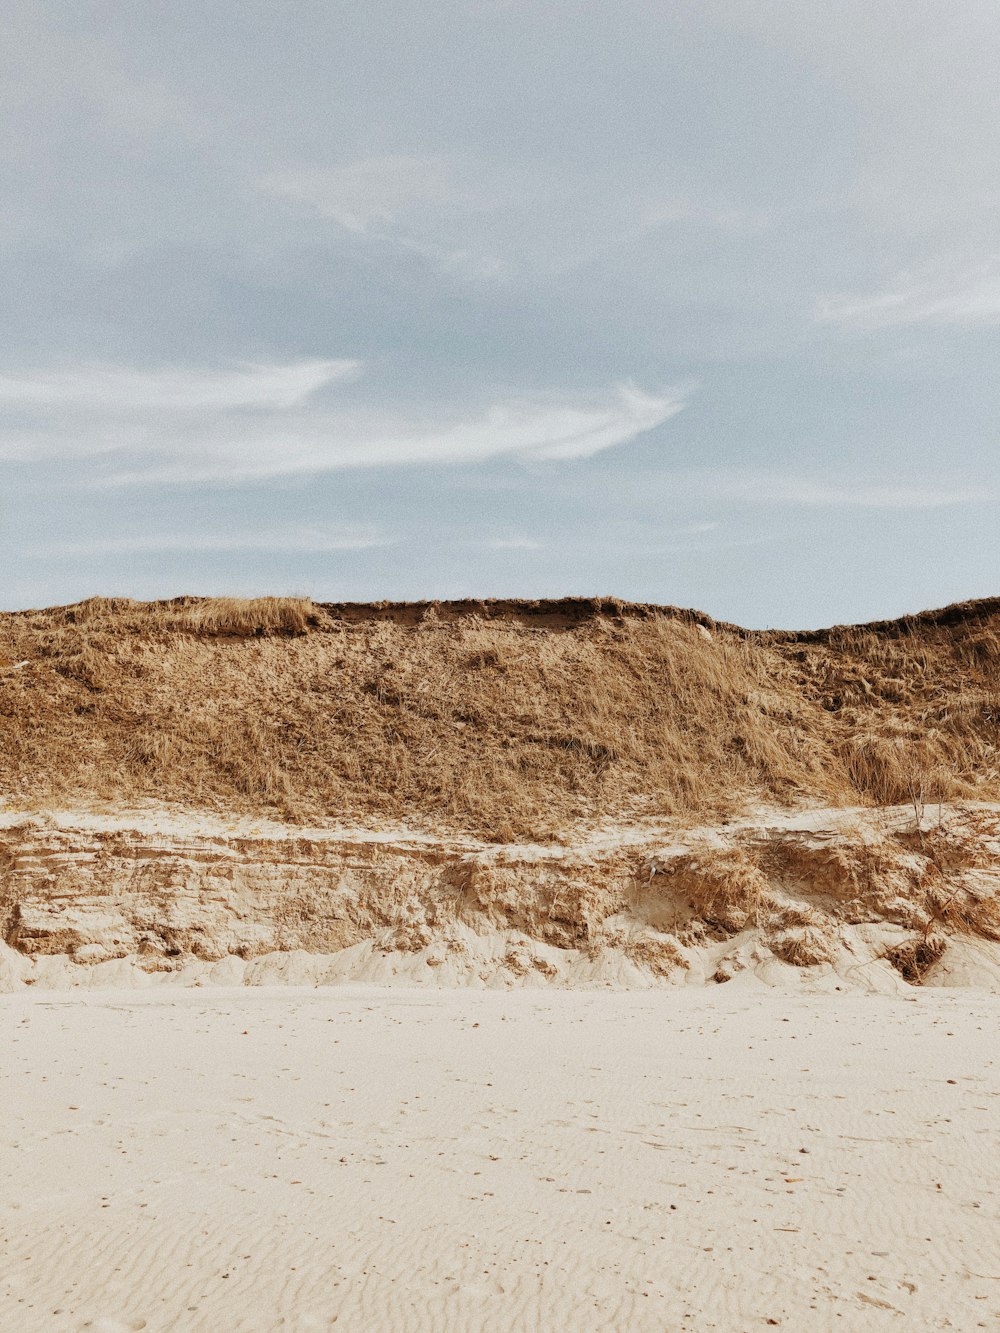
pixel 575 793
pixel 847 898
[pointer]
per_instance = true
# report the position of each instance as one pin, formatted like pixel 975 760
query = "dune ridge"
pixel 506 720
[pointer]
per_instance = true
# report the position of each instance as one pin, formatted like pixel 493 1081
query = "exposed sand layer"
pixel 451 1160
pixel 874 899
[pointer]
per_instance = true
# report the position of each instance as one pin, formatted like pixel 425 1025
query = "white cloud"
pixel 117 389
pixel 179 426
pixel 307 539
pixel 969 295
pixel 557 431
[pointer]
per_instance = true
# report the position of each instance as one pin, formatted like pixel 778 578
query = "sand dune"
pixel 576 792
pixel 509 721
pixel 364 1159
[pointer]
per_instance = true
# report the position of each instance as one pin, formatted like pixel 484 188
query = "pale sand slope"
pixel 713 1159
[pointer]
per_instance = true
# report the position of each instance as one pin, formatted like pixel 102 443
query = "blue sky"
pixel 694 303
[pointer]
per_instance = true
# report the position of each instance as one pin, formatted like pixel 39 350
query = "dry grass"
pixel 803 946
pixel 242 618
pixel 724 891
pixel 508 720
pixel 913 959
pixel 656 952
pixel 961 909
pixel 916 702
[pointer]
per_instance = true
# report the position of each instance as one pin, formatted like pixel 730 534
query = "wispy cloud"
pixel 374 190
pixel 968 295
pixel 119 389
pixel 306 539
pixel 197 425
pixel 817 493
pixel 408 202
pixel 656 216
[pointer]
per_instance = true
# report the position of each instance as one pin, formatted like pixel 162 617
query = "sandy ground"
pixel 294 1159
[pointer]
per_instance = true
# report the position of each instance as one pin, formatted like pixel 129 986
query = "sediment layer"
pixel 851 897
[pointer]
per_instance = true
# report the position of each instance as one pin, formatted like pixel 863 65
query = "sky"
pixel 694 303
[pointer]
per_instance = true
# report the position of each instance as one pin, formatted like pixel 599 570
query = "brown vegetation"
pixel 502 719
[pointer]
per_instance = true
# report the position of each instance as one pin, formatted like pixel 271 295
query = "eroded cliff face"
pixel 839 897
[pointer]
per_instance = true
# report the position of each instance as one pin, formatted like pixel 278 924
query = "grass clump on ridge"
pixel 241 617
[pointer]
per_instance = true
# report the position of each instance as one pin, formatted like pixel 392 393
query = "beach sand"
pixel 284 1158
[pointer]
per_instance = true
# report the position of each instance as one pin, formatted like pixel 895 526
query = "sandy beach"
pixel 286 1158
